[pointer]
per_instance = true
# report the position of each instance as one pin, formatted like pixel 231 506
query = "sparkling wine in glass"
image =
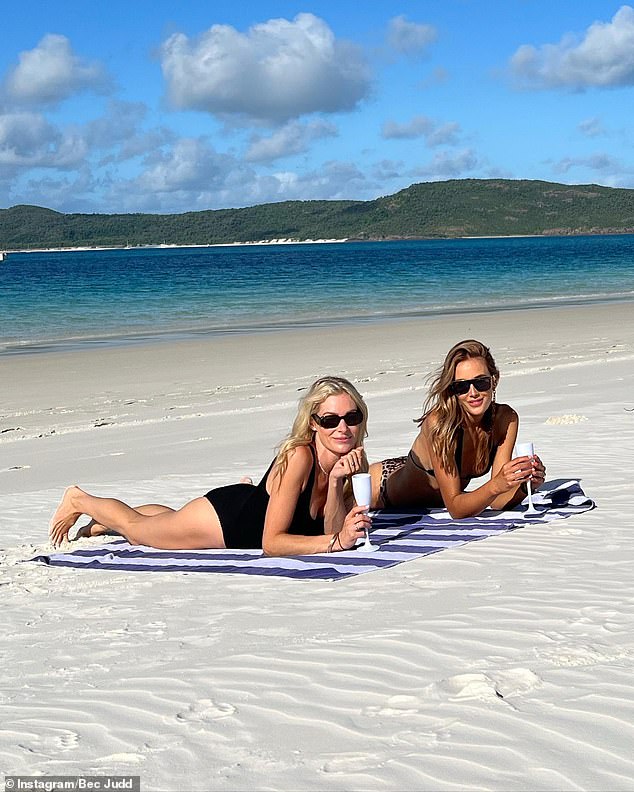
pixel 362 489
pixel 527 449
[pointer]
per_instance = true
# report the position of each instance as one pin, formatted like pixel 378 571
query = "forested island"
pixel 449 209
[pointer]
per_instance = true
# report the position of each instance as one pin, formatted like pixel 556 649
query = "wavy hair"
pixel 301 433
pixel 447 409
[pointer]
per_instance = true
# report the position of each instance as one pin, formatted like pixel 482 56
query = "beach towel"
pixel 400 536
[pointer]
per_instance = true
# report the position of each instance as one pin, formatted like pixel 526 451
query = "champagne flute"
pixel 362 489
pixel 527 449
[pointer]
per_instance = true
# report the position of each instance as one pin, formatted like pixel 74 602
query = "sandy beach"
pixel 502 665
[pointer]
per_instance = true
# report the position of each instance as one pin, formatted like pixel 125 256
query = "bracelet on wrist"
pixel 332 542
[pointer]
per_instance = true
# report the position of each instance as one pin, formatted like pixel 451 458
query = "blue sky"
pixel 170 107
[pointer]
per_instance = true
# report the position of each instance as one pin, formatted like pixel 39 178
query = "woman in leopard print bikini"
pixel 463 433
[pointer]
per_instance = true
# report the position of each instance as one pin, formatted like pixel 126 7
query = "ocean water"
pixel 70 299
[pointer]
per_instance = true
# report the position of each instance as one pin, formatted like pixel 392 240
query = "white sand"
pixel 505 665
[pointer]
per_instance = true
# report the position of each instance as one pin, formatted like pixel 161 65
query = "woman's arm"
pixel 285 492
pixel 507 475
pixel 336 508
pixel 511 497
pixel 532 467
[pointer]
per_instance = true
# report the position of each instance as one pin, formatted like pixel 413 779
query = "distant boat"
pixel 3 255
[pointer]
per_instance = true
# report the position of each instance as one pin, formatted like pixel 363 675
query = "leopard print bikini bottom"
pixel 389 466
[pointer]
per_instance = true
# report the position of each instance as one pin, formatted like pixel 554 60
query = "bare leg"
pixel 96 529
pixel 195 526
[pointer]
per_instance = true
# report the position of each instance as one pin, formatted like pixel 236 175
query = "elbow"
pixel 268 549
pixel 453 507
pixel 272 546
pixel 457 512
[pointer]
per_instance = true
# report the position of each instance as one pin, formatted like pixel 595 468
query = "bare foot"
pixel 246 480
pixel 92 529
pixel 65 516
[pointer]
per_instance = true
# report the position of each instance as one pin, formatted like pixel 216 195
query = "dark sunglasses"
pixel 481 384
pixel 331 420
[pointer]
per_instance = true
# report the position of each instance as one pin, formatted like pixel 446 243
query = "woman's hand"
pixel 349 464
pixel 520 471
pixel 513 474
pixel 354 527
pixel 538 475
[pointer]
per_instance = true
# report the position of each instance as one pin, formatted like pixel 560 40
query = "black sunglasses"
pixel 332 421
pixel 481 384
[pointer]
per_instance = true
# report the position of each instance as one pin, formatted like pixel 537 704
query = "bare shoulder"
pixel 300 459
pixel 421 447
pixel 430 422
pixel 300 463
pixel 298 466
pixel 505 422
pixel 505 414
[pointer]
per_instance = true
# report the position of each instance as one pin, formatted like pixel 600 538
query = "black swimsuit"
pixel 241 509
pixel 458 458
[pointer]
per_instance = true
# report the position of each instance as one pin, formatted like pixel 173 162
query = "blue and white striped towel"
pixel 400 536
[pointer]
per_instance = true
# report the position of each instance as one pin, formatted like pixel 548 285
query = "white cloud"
pixel 119 122
pixel 591 127
pixel 28 140
pixel 190 165
pixel 449 165
pixel 410 38
pixel 76 193
pixel 139 144
pixel 335 180
pixel 603 163
pixel 118 132
pixel 51 73
pixel 293 138
pixel 193 176
pixel 435 134
pixel 385 169
pixel 603 58
pixel 277 71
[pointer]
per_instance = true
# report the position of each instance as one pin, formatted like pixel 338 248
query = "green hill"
pixel 456 208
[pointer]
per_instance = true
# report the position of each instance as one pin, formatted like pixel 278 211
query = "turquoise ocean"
pixel 67 300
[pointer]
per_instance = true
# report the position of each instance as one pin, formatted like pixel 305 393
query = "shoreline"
pixel 145 337
pixel 165 246
pixel 253 366
pixel 291 241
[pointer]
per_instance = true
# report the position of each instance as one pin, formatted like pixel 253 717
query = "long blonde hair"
pixel 448 412
pixel 301 433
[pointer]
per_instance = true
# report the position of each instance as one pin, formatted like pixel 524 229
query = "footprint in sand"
pixel 67 741
pixel 580 655
pixel 120 758
pixel 51 744
pixel 206 710
pixel 397 706
pixel 350 763
pixel 424 739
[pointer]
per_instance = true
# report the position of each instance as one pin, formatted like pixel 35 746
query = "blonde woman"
pixel 463 434
pixel 301 505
